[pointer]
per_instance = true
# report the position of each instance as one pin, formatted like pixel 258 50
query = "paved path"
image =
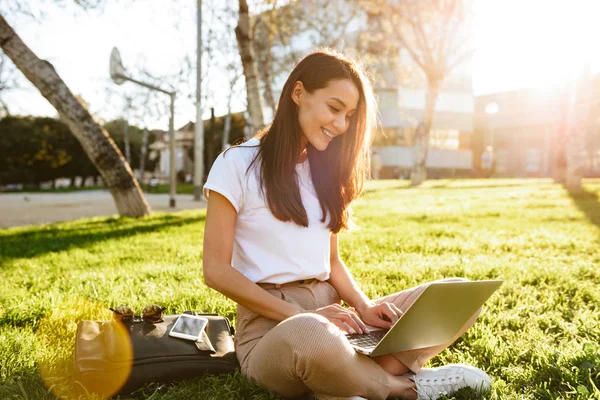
pixel 40 208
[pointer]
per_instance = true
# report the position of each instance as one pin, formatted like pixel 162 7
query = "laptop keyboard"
pixel 366 340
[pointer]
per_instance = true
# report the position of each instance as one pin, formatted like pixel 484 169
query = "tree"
pixel 96 142
pixel 28 154
pixel 243 34
pixel 433 34
pixel 579 102
pixel 40 149
pixel 8 81
pixel 275 28
pixel 227 45
pixel 116 129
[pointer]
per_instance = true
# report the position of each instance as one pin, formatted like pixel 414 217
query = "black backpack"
pixel 116 359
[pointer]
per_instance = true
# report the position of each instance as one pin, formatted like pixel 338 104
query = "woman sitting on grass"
pixel 275 206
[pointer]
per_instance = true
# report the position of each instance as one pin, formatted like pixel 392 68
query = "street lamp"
pixel 117 73
pixel 491 109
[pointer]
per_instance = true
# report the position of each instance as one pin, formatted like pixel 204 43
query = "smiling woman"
pixel 275 207
pixel 326 114
pixel 323 115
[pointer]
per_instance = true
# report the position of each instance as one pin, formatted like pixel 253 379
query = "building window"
pixel 533 160
pixel 502 160
pixel 593 161
pixel 444 139
pixel 385 137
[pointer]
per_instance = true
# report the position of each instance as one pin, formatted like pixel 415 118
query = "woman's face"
pixel 325 113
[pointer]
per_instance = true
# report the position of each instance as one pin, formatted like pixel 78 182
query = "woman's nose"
pixel 341 124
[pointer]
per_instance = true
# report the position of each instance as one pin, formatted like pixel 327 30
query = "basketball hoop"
pixel 118 75
pixel 117 71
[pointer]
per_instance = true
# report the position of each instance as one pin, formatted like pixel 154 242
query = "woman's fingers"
pixel 399 312
pixel 361 324
pixel 354 321
pixel 344 324
pixel 390 311
pixel 344 318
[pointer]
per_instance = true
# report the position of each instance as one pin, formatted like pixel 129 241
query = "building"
pixel 399 85
pixel 527 131
pixel 184 143
pixel 401 105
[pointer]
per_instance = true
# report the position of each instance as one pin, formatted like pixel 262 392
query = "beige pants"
pixel 307 353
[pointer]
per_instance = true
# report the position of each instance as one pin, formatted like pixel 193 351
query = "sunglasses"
pixel 151 314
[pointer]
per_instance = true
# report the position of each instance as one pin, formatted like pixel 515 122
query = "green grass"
pixel 538 337
pixel 182 188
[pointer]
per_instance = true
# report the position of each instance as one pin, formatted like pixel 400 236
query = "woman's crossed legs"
pixel 307 353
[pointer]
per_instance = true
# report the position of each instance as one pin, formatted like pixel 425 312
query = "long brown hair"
pixel 338 173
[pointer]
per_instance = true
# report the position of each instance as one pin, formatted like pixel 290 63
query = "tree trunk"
pixel 244 39
pixel 262 45
pixel 575 161
pixel 226 129
pixel 266 76
pixel 578 114
pixel 227 124
pixel 4 107
pixel 96 142
pixel 560 160
pixel 419 171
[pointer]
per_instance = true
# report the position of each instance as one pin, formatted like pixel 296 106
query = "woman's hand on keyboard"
pixel 382 315
pixel 346 319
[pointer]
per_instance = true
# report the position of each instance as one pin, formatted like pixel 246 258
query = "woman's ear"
pixel 297 92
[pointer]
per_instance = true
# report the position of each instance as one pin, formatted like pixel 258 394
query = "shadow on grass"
pixel 448 186
pixel 385 189
pixel 588 202
pixel 30 385
pixel 36 241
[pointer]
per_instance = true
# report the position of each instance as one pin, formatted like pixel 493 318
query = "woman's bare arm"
pixel 221 276
pixel 382 315
pixel 341 279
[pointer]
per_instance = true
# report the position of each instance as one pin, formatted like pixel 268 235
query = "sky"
pixel 518 44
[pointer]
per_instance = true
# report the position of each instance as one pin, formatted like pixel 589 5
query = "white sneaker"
pixel 435 382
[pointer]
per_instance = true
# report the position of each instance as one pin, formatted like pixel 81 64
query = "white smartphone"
pixel 189 327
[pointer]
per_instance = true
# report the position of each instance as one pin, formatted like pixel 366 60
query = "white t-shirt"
pixel 266 249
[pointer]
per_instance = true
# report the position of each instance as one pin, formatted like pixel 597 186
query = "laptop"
pixel 433 319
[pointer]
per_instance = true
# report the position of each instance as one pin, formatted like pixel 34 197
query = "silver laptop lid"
pixel 437 316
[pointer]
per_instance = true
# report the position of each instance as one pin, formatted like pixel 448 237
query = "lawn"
pixel 538 336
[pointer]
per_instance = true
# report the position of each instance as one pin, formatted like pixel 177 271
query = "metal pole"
pixel 210 151
pixel 172 166
pixel 199 129
pixel 143 155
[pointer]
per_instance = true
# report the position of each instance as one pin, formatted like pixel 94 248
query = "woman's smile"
pixel 328 134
